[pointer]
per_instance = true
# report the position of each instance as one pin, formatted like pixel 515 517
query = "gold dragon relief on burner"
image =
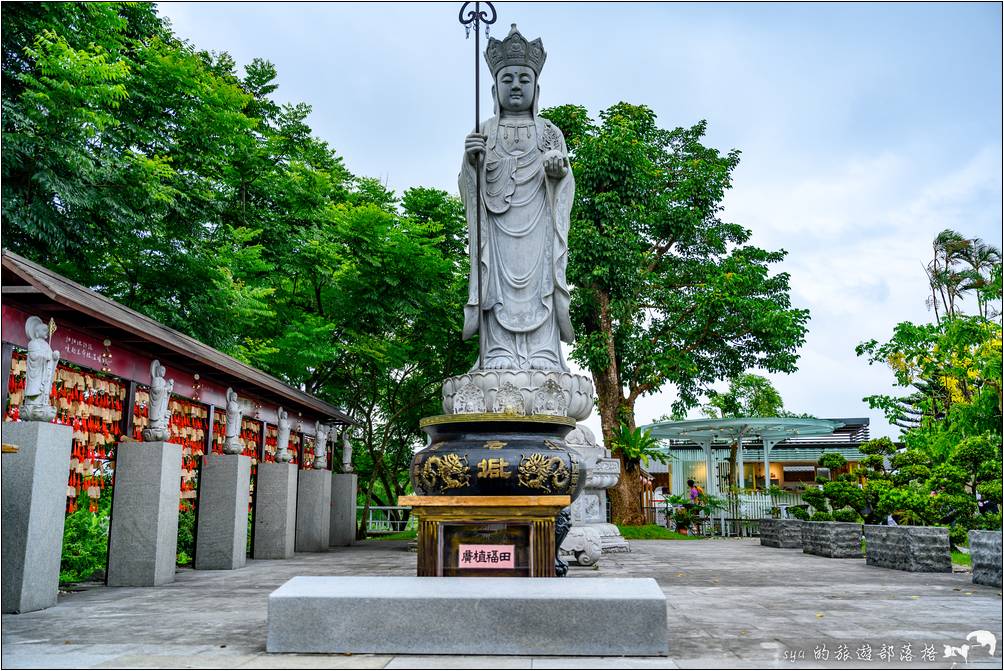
pixel 444 472
pixel 547 473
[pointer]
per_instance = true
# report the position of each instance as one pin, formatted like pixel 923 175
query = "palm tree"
pixel 982 258
pixel 945 278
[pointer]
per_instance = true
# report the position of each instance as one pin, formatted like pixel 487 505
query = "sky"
pixel 865 129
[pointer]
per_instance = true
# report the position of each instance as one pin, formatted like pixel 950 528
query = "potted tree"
pixel 779 532
pixel 834 529
pixel 683 519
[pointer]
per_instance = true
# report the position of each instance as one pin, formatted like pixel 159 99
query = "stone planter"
pixel 841 540
pixel 915 549
pixel 985 550
pixel 777 533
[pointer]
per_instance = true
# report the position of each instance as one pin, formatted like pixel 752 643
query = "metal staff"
pixel 473 19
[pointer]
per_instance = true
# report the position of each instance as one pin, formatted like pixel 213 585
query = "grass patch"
pixel 408 535
pixel 653 532
pixel 961 558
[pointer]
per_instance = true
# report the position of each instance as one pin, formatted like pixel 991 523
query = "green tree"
pixel 748 395
pixel 169 181
pixel 666 291
pixel 952 412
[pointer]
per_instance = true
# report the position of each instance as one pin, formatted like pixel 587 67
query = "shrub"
pixel 683 517
pixel 85 540
pixel 991 491
pixel 987 521
pixel 842 494
pixel 186 537
pixel 846 514
pixel 832 460
pixel 878 446
pixel 958 535
pixel 820 516
pixel 816 499
pixel 798 512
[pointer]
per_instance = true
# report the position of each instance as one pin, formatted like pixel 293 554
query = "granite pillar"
pixel 343 509
pixel 313 511
pixel 985 550
pixel 34 500
pixel 143 540
pixel 275 511
pixel 221 535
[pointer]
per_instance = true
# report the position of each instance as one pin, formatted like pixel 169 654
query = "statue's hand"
pixel 474 145
pixel 555 164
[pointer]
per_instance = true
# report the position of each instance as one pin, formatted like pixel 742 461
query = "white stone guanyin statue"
pixel 346 453
pixel 282 441
pixel 321 446
pixel 232 444
pixel 160 396
pixel 41 367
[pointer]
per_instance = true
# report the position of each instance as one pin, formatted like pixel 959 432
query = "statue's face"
pixel 515 86
pixel 41 331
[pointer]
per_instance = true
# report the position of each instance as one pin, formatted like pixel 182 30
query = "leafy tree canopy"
pixel 666 292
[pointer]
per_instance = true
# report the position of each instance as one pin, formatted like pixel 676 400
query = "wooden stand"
pixel 530 519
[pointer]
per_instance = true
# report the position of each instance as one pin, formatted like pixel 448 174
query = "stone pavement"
pixel 732 604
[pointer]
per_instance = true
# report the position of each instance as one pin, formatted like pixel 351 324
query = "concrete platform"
pixel 465 616
pixel 731 604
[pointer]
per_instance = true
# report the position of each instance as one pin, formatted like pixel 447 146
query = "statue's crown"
pixel 515 50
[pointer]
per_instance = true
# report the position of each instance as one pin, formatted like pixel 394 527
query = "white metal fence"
pixel 386 519
pixel 740 517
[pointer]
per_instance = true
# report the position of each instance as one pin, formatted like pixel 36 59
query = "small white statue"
pixel 346 453
pixel 233 444
pixel 321 446
pixel 41 367
pixel 282 444
pixel 160 396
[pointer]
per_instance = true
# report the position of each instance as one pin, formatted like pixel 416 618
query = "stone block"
pixel 343 509
pixel 915 549
pixel 34 501
pixel 840 540
pixel 275 511
pixel 143 539
pixel 468 616
pixel 222 533
pixel 779 533
pixel 313 511
pixel 985 551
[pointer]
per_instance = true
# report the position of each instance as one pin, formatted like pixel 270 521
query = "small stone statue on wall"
pixel 233 444
pixel 346 453
pixel 282 443
pixel 321 446
pixel 41 367
pixel 160 396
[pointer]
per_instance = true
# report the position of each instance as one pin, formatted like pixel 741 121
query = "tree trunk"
pixel 625 496
pixel 733 467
